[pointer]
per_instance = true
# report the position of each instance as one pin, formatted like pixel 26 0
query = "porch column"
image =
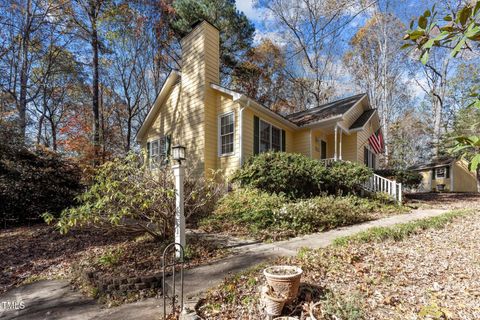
pixel 341 135
pixel 335 153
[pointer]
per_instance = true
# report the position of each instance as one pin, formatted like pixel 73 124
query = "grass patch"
pixel 401 231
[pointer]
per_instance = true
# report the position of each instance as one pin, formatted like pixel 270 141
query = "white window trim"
pixel 260 136
pixel 219 134
pixel 444 174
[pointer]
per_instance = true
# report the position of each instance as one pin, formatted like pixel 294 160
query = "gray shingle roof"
pixel 436 162
pixel 331 109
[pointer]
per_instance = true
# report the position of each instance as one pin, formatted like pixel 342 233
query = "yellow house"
pixel 446 174
pixel 221 128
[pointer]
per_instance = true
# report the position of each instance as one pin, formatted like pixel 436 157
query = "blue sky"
pixel 406 10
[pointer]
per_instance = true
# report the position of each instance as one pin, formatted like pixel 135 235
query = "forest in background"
pixel 78 77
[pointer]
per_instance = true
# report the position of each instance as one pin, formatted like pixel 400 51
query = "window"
pixel 270 137
pixel 323 154
pixel 226 133
pixel 276 139
pixel 369 158
pixel 158 151
pixel 440 173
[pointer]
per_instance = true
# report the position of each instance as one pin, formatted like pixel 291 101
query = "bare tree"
pixel 22 25
pixel 85 16
pixel 311 28
pixel 380 68
pixel 436 76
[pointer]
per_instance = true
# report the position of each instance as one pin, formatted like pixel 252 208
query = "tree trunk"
pixel 95 102
pixel 39 131
pixel 22 104
pixel 437 109
pixel 129 132
pixel 478 178
pixel 53 128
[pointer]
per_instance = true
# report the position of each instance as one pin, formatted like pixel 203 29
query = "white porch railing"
pixel 378 183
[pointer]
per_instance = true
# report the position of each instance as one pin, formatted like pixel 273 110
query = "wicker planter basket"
pixel 284 280
pixel 273 305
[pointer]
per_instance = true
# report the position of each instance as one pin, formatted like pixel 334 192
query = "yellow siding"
pixel 316 145
pixel 302 142
pixel 426 180
pixel 349 147
pixel 211 68
pixel 189 112
pixel 438 181
pixel 248 131
pixel 464 180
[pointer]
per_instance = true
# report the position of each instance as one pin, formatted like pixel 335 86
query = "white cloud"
pixel 246 6
pixel 276 37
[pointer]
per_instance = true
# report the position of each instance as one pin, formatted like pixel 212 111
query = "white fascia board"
pixel 162 95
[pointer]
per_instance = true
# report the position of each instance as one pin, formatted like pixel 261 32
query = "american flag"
pixel 376 142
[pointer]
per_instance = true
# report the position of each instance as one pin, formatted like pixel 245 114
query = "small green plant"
pixel 340 307
pixel 110 258
pixel 401 231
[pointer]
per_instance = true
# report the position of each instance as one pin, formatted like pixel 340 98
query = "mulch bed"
pixel 431 275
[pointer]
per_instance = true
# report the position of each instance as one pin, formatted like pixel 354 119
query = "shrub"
pixel 323 213
pixel 266 215
pixel 245 207
pixel 298 176
pixel 346 177
pixel 409 178
pixel 295 175
pixel 33 182
pixel 126 195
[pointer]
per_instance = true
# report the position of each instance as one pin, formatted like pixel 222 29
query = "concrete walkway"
pixel 54 300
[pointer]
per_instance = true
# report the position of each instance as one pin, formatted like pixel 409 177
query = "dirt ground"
pixel 443 200
pixel 41 252
pixel 431 275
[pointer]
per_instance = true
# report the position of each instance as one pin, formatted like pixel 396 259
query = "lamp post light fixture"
pixel 179 173
pixel 178 153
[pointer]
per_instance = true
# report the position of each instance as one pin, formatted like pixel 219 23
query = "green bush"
pixel 126 195
pixel 245 207
pixel 33 182
pixel 346 177
pixel 263 215
pixel 298 176
pixel 408 178
pixel 295 175
pixel 323 213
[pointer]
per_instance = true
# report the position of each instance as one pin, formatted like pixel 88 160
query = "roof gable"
pixel 363 119
pixel 162 96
